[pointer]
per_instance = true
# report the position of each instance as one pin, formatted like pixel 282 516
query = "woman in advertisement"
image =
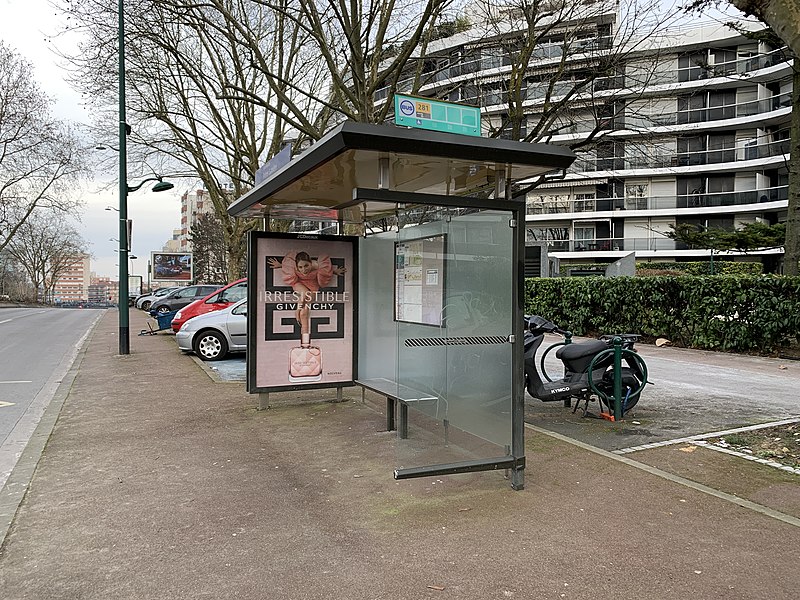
pixel 305 276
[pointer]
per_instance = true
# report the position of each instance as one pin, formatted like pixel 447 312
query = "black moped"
pixel 588 368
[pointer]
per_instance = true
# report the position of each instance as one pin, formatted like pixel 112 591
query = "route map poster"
pixel 419 280
pixel 304 302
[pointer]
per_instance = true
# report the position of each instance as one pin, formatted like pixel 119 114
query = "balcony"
pixel 682 159
pixel 444 72
pixel 611 244
pixel 554 206
pixel 733 111
pixel 734 67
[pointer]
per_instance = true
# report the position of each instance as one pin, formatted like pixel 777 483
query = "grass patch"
pixel 779 444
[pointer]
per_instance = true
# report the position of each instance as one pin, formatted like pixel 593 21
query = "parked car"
pixel 181 297
pixel 145 300
pixel 223 298
pixel 213 335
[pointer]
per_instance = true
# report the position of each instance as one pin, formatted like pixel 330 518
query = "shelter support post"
pixel 390 404
pixel 518 368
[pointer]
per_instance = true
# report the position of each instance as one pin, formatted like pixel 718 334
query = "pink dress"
pixel 314 280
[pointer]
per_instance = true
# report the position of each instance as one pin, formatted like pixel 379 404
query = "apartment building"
pixel 193 206
pixel 173 244
pixel 103 289
pixel 691 126
pixel 73 283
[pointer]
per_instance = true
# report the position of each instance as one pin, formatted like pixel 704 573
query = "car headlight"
pixel 178 316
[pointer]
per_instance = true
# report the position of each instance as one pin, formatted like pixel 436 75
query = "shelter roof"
pixel 319 184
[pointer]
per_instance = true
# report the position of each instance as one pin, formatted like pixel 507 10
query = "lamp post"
pixel 124 326
pixel 124 190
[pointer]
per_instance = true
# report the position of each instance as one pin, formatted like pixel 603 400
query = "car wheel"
pixel 162 310
pixel 146 305
pixel 210 345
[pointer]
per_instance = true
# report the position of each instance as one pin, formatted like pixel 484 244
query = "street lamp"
pixel 124 190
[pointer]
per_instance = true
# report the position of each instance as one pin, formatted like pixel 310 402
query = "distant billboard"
pixel 171 266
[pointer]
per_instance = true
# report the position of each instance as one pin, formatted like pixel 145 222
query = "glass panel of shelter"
pixel 453 360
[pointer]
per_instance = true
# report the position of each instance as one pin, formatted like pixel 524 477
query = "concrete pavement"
pixel 158 483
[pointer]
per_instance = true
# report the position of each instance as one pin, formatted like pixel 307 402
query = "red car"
pixel 222 298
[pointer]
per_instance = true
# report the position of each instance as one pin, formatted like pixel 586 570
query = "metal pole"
pixel 517 359
pixel 122 303
pixel 617 378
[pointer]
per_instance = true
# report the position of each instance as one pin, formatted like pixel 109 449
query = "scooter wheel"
pixel 629 380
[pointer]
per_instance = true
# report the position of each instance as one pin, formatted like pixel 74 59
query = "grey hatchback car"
pixel 213 335
pixel 181 297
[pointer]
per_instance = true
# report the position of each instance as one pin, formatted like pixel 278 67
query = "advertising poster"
pixel 171 266
pixel 303 333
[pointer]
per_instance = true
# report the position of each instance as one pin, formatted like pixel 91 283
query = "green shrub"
pixel 645 269
pixel 721 267
pixel 729 313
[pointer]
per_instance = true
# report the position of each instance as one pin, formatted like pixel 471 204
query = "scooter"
pixel 588 368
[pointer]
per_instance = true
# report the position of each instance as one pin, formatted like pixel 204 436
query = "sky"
pixel 26 27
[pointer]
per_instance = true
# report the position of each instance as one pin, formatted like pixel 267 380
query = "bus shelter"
pixel 424 306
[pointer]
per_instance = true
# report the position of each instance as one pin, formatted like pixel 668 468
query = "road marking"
pixel 20 381
pixel 4 404
pixel 705 436
pixel 6 321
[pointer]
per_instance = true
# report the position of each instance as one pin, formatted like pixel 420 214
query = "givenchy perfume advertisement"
pixel 305 311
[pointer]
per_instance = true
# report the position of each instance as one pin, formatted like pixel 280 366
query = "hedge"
pixel 721 267
pixel 728 313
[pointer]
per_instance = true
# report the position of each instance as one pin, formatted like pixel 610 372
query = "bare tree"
pixel 40 157
pixel 14 284
pixel 215 87
pixel 552 70
pixel 208 250
pixel 45 248
pixel 177 68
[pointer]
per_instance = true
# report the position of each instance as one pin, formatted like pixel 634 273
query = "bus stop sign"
pixel 423 113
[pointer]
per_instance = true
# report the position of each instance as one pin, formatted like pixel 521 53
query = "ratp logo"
pixel 407 107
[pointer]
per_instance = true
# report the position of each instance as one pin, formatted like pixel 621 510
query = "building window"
pixel 584 202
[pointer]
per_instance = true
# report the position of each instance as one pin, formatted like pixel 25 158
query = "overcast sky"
pixel 25 26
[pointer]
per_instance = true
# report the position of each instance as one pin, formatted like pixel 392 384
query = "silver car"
pixel 213 335
pixel 145 300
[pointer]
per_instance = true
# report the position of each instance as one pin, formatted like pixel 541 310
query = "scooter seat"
pixel 572 352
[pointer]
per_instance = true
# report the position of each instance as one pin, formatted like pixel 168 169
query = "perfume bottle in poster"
pixel 305 364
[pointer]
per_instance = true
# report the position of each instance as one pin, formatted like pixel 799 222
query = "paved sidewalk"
pixel 158 483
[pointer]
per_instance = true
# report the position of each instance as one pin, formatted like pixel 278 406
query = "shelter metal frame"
pixel 361 172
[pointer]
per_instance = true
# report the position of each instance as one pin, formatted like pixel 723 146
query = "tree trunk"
pixel 791 256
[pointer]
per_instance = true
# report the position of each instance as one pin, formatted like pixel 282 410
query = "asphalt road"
pixel 37 347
